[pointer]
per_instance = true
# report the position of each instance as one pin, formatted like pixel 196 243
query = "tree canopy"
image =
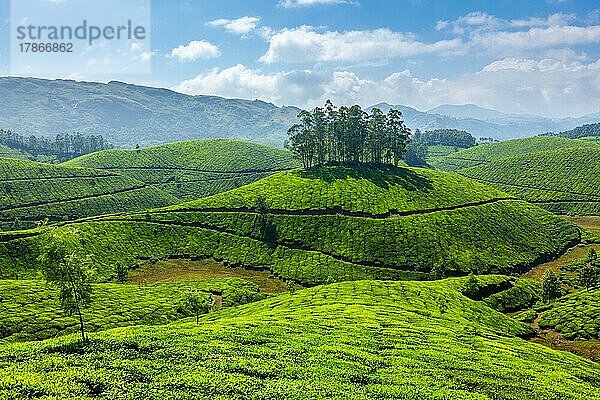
pixel 445 137
pixel 330 135
pixel 63 146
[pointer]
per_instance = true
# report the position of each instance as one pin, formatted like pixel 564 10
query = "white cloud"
pixel 536 38
pixel 305 44
pixel 238 26
pixel 195 50
pixel 545 87
pixel 296 87
pixel 307 3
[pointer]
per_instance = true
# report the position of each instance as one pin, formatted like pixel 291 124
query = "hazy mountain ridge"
pixel 127 114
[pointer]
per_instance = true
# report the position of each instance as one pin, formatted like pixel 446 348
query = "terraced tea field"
pixel 31 192
pixel 193 169
pixel 487 152
pixel 358 340
pixel 560 175
pixel 327 225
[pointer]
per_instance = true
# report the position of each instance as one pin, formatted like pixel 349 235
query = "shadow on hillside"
pixel 383 176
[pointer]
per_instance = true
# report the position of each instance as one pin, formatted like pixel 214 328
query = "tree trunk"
pixel 81 325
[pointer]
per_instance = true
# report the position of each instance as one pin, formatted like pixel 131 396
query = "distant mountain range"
pixel 483 122
pixel 128 114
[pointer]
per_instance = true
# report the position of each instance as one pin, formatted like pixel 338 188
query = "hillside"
pixel 30 310
pixel 575 315
pixel 360 340
pixel 330 224
pixel 127 114
pixel 193 169
pixel 492 151
pixel 563 181
pixel 8 152
pixel 31 192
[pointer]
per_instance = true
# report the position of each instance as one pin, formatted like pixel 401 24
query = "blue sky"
pixel 540 57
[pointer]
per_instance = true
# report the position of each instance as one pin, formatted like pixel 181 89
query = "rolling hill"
pixel 355 340
pixel 31 192
pixel 30 309
pixel 563 181
pixel 329 224
pixel 193 169
pixel 558 174
pixel 7 152
pixel 482 153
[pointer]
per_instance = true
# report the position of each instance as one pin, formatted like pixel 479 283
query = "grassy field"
pixel 330 225
pixel 30 309
pixel 193 169
pixel 31 192
pixel 361 340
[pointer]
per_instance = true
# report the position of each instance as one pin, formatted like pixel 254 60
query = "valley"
pixel 226 269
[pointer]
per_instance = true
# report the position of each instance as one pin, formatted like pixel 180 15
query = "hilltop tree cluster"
pixel 331 135
pixel 62 146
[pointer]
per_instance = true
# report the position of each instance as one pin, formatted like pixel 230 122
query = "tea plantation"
pixel 575 315
pixel 31 192
pixel 483 153
pixel 30 309
pixel 352 340
pixel 193 169
pixel 327 225
pixel 563 181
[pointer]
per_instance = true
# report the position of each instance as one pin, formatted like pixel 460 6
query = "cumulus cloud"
pixel 307 3
pixel 306 44
pixel 545 87
pixel 195 50
pixel 295 87
pixel 484 32
pixel 238 26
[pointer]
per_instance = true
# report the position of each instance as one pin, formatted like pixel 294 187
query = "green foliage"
pixel 416 154
pixel 527 316
pixel 575 315
pixel 355 340
pixel 471 287
pixel 63 147
pixel 193 169
pixel 333 223
pixel 31 192
pixel 564 181
pixel 445 137
pixel 494 151
pixel 197 303
pixel 30 312
pixel 582 131
pixel 551 286
pixel 348 135
pixel 66 267
pixel 502 293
